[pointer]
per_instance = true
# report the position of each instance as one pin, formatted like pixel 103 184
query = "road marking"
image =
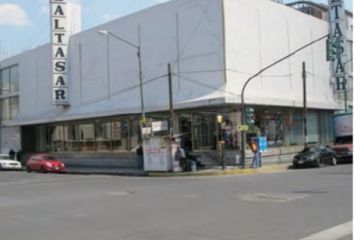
pixel 334 233
pixel 271 197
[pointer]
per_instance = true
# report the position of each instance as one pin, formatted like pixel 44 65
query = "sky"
pixel 24 24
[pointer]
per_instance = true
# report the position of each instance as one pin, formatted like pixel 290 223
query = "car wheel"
pixel 42 170
pixel 334 161
pixel 28 169
pixel 318 162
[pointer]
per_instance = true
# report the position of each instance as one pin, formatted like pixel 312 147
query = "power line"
pixel 122 91
pixel 235 71
pixel 205 85
pixel 194 30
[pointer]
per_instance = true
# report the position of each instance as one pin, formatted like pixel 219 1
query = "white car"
pixel 7 163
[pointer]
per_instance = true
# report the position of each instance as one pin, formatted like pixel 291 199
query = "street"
pixel 291 205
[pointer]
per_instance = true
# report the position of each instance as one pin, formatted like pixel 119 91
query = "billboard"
pixel 59 40
pixel 343 125
pixel 337 38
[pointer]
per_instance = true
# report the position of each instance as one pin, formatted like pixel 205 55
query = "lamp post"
pixel 138 48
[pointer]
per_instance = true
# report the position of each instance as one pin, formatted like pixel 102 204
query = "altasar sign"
pixel 337 37
pixel 60 40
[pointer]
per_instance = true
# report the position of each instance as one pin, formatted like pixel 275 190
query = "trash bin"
pixel 194 166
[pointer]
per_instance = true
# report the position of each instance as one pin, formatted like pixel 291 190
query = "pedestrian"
pixel 140 156
pixel 12 154
pixel 255 149
pixel 19 155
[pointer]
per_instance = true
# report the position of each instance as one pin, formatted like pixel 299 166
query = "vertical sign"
pixel 337 38
pixel 60 40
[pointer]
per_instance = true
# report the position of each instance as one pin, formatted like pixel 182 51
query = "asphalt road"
pixel 280 206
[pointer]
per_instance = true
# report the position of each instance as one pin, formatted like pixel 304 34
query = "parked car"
pixel 315 156
pixel 6 163
pixel 44 163
pixel 344 149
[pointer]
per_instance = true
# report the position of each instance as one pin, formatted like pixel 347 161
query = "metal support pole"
pixel 141 80
pixel 170 91
pixel 304 115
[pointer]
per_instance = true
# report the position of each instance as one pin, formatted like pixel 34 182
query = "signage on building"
pixel 337 39
pixel 60 40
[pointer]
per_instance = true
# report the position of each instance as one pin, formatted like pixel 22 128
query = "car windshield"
pixel 309 149
pixel 49 158
pixel 4 157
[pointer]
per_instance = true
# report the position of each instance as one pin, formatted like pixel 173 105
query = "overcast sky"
pixel 24 24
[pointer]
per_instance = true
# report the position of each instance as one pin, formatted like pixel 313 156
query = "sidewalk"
pixel 217 171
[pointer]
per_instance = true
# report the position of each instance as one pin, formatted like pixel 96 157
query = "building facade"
pixel 321 11
pixel 213 47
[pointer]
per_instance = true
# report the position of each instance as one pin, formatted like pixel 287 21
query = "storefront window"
pixel 293 128
pixel 312 127
pixel 134 133
pixel 103 135
pixel 204 131
pixel 86 137
pixel 71 137
pixel 56 138
pixel 120 129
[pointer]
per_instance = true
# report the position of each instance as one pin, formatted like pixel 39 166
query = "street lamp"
pixel 138 48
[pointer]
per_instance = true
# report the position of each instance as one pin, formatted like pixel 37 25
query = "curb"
pixel 218 172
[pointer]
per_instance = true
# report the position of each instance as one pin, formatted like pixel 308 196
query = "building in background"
pixel 213 46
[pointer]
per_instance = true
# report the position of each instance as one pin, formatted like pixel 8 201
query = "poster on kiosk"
pixel 157 149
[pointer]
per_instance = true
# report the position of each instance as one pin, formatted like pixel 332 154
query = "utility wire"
pixel 205 85
pixel 122 91
pixel 232 70
pixel 194 31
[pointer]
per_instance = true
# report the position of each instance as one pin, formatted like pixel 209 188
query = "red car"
pixel 44 163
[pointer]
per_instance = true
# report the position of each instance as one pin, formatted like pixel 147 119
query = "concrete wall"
pixel 260 32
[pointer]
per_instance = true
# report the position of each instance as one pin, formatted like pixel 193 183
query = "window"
pixel 5 81
pixel 86 137
pixel 120 129
pixel 9 84
pixel 56 138
pixel 103 135
pixel 71 137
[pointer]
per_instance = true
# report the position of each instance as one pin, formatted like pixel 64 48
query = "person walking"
pixel 255 149
pixel 12 154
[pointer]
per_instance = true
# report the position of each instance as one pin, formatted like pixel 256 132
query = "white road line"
pixel 333 233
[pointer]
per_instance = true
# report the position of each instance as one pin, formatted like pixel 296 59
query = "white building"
pixel 214 46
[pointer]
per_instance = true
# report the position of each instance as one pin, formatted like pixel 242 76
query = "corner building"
pixel 214 46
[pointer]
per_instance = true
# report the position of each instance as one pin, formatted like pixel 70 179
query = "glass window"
pixel 103 135
pixel 71 134
pixel 269 123
pixel 5 81
pixel 13 107
pixel 5 113
pixel 294 132
pixel 56 138
pixel 134 133
pixel 120 129
pixel 86 137
pixel 204 131
pixel 14 79
pixel 312 127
